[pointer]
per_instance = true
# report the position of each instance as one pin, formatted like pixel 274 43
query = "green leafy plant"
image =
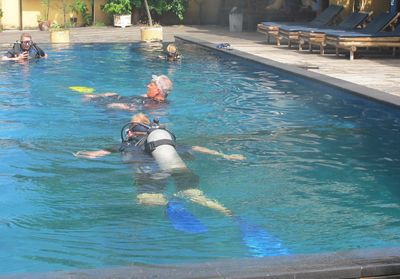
pixel 117 7
pixel 1 13
pixel 178 7
pixel 56 26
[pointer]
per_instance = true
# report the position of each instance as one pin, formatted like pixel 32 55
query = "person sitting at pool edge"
pixel 171 54
pixel 157 91
pixel 143 140
pixel 24 49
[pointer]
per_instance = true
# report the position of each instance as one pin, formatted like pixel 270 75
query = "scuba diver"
pixel 24 49
pixel 151 149
pixel 171 54
pixel 157 92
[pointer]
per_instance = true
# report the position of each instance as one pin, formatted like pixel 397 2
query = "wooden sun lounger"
pixel 271 29
pixel 352 40
pixel 291 33
pixel 316 36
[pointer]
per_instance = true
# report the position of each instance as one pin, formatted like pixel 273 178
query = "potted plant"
pixel 120 10
pixel 60 33
pixel 150 33
pixel 154 32
pixel 43 22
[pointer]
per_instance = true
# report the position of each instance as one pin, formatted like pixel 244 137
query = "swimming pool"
pixel 321 175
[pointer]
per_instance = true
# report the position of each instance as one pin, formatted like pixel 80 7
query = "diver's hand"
pixel 23 56
pixel 91 154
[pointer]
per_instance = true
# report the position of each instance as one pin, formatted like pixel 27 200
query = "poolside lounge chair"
pixel 271 28
pixel 316 36
pixel 291 32
pixel 371 36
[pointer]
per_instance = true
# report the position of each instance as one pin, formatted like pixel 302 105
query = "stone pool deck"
pixel 365 264
pixel 375 75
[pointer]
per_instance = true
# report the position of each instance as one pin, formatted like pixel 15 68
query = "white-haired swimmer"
pixel 158 90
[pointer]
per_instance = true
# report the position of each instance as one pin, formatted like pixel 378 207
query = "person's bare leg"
pixel 197 196
pixel 152 199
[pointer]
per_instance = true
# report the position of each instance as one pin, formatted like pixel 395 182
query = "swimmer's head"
pixel 163 83
pixel 138 127
pixel 140 118
pixel 26 41
pixel 171 48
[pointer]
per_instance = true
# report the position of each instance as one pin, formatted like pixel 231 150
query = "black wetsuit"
pixel 34 51
pixel 134 102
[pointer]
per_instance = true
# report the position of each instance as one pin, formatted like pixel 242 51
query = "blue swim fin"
pixel 183 220
pixel 259 241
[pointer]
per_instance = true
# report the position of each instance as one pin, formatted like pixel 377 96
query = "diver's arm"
pixel 90 96
pixel 5 58
pixel 92 154
pixel 206 150
pixel 22 56
pixel 41 53
pixel 121 106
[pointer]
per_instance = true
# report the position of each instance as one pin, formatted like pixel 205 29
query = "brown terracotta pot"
pixel 44 25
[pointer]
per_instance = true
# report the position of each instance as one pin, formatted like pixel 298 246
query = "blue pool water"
pixel 322 171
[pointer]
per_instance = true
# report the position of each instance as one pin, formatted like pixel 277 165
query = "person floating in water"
pixel 171 54
pixel 151 148
pixel 157 92
pixel 24 49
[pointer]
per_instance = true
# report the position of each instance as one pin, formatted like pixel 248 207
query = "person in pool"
pixel 24 49
pixel 151 148
pixel 171 53
pixel 157 92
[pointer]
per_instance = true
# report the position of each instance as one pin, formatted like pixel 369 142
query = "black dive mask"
pixel 26 44
pixel 134 127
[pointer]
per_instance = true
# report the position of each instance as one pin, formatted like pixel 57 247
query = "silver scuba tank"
pixel 165 155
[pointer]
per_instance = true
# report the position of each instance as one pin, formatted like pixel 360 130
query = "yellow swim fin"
pixel 82 89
